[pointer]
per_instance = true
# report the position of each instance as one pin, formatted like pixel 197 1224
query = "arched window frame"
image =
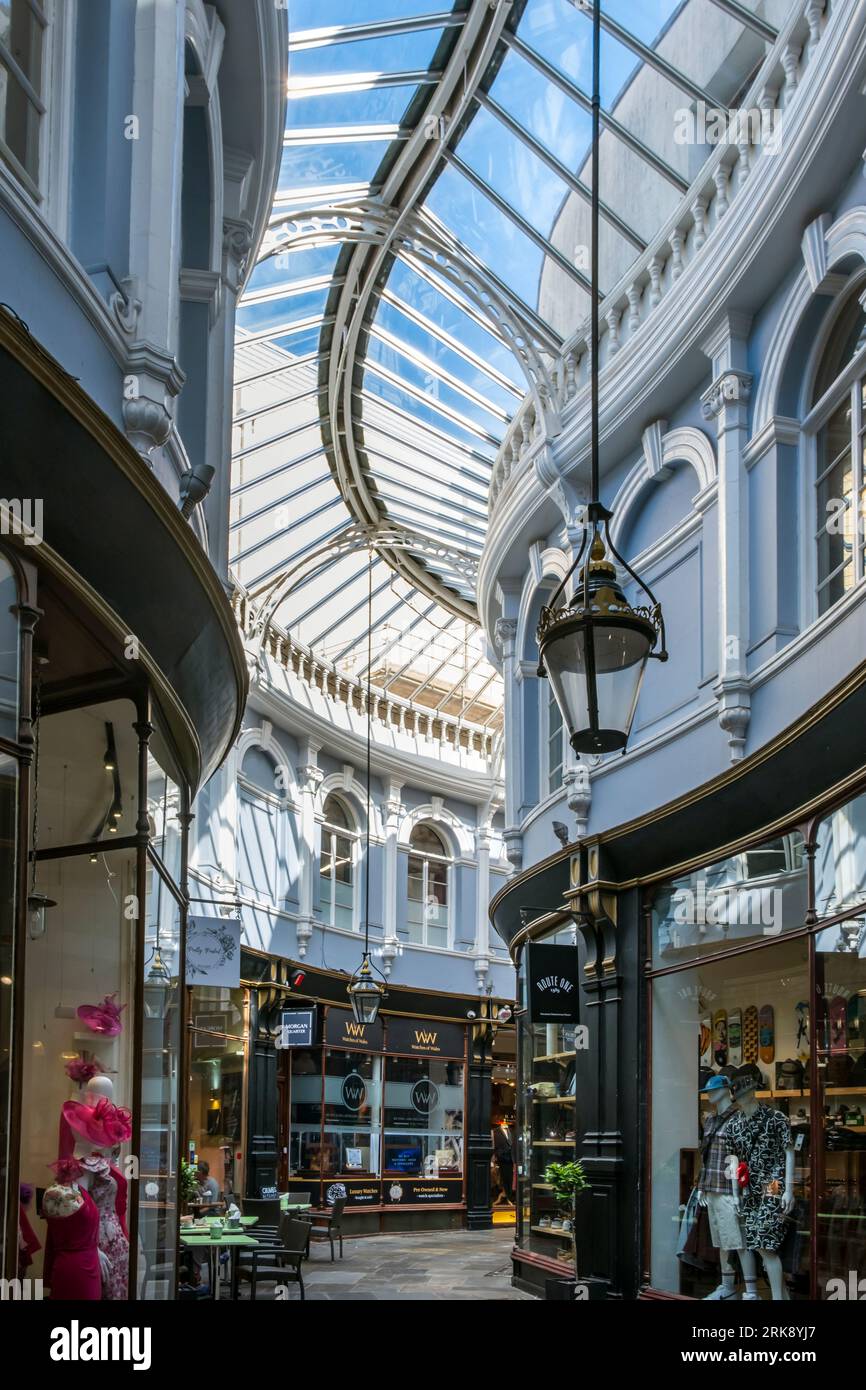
pixel 328 847
pixel 276 804
pixel 848 387
pixel 428 860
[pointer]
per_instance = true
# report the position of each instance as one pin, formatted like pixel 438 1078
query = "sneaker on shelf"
pixel 544 1221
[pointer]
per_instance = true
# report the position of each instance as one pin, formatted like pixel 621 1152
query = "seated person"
pixel 210 1197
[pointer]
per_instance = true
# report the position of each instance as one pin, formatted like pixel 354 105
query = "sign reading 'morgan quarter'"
pixel 552 975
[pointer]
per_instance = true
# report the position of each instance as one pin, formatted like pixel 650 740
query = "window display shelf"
pixel 553 1143
pixel 551 1231
pixel 553 1100
pixel 555 1057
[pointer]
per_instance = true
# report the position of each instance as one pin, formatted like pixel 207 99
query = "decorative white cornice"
pixel 652 440
pixel 780 429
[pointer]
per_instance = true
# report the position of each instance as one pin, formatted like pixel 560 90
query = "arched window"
pixel 428 916
pixel 840 477
pixel 555 743
pixel 337 866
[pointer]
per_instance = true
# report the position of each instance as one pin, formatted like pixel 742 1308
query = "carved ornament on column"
pixel 731 388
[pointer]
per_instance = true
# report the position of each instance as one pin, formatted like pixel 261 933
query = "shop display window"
pixel 308 1157
pixel 752 1008
pixel 352 1113
pixel 216 1090
pixel 423 1118
pixel 840 859
pixel 546 1125
pixel 756 895
pixel 8 870
pixel 9 657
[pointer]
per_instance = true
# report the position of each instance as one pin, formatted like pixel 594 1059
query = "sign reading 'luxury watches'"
pixel 552 976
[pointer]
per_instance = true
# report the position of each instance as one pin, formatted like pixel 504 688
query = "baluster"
pixel 699 213
pixel 791 64
pixel 721 178
pixel 634 293
pixel 676 239
pixel 655 274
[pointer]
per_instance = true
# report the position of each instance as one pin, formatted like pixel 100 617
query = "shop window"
pixel 216 1090
pixel 840 1038
pixel 306 1156
pixel 337 866
pixel 840 859
pixel 756 895
pixel 260 828
pixel 840 484
pixel 8 874
pixel 429 864
pixel 547 1120
pixel 8 652
pixel 753 1008
pixel 22 105
pixel 423 1129
pixel 352 1114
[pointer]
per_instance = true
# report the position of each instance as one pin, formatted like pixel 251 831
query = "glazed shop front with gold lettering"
pixel 394 1118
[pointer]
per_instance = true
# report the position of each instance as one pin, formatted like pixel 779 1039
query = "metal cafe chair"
pixel 328 1224
pixel 275 1263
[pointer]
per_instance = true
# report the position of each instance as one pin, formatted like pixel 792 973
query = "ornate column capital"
pixel 311 778
pixel 733 387
pixel 504 633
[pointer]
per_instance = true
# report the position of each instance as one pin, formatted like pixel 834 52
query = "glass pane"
pixel 353 1100
pixel 547 1123
pixel 81 957
pixel 478 225
pixel 9 659
pixel 425 839
pixel 424 297
pixel 255 318
pixel 334 813
pixel 744 898
pixel 8 864
pixel 216 1009
pixel 476 375
pixel 322 14
pixel 305 1114
pixel 840 968
pixel 513 171
pixel 319 165
pixel 216 1091
pixel 423 1118
pixel 845 341
pixel 389 53
pixel 840 859
pixel 287 266
pixel 398 361
pixel 161 1032
pixel 19 122
pixel 371 106
pixel 752 1008
pixel 560 33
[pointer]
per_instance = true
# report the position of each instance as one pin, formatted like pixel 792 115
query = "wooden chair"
pixel 275 1263
pixel 327 1224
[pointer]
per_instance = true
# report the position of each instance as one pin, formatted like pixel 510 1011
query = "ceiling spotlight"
pixel 109 757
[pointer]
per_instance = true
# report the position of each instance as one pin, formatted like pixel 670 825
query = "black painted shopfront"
pixel 393 1116
pixel 716 934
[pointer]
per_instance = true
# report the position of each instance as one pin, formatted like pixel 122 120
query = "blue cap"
pixel 717 1082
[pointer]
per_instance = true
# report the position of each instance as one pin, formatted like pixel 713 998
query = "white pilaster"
pixel 726 402
pixel 393 812
pixel 310 777
pixel 506 636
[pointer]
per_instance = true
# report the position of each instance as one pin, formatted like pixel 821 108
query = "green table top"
pixel 205 1238
pixel 295 1206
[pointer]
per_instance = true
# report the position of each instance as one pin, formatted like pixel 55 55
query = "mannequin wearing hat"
pixel 93 1191
pixel 720 1197
pixel 760 1138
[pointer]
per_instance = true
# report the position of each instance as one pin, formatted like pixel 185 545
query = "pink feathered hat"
pixel 103 1018
pixel 103 1125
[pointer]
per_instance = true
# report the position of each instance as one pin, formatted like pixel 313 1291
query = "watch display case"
pixel 547 1124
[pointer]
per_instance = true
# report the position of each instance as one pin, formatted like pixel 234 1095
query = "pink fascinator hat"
pixel 103 1125
pixel 102 1018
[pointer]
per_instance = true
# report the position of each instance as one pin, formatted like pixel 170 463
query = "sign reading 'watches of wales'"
pixel 552 975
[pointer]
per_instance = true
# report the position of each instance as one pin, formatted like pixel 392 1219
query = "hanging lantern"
pixel 365 992
pixel 594 650
pixel 36 906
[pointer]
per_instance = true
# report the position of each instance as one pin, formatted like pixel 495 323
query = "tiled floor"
pixel 440 1266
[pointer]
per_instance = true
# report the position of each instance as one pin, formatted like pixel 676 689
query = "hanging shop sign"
pixel 420 1037
pixel 405 1192
pixel 297 1028
pixel 213 952
pixel 341 1030
pixel 552 983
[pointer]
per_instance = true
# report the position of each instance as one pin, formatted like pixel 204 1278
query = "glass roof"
pixel 433 383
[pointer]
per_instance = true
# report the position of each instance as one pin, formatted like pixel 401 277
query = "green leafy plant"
pixel 188 1182
pixel 567 1181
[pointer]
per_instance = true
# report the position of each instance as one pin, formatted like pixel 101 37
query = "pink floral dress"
pixel 108 1190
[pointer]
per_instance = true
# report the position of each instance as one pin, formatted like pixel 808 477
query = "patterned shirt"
pixel 715 1147
pixel 760 1140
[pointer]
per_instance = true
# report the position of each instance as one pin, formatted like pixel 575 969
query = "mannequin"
pixel 91 1133
pixel 760 1138
pixel 72 1265
pixel 714 1193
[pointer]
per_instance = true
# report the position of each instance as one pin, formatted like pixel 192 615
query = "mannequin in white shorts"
pixel 717 1193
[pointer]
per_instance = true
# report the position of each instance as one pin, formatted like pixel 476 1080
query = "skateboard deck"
pixel 766 1034
pixel 750 1034
pixel 720 1037
pixel 705 1045
pixel 735 1038
pixel 838 1025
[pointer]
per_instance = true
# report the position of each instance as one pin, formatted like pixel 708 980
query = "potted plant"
pixel 567 1181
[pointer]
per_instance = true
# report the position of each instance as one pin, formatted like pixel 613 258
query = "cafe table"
pixel 230 1240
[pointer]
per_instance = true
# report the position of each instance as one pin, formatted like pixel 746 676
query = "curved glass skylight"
pixel 422 144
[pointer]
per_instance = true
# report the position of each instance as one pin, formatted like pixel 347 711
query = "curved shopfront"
pixel 106 729
pixel 288 1093
pixel 698 952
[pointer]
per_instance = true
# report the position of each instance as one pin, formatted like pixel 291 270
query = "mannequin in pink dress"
pixel 91 1132
pixel 72 1268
